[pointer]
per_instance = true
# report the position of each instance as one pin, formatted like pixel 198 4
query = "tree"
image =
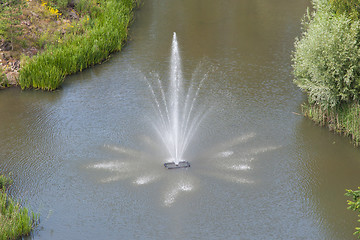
pixel 326 59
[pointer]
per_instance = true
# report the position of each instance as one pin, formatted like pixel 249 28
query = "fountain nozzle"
pixel 174 165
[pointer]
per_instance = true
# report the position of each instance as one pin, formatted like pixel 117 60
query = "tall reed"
pixel 15 221
pixel 343 119
pixel 105 35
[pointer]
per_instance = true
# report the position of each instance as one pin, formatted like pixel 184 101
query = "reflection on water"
pixel 143 168
pixel 86 158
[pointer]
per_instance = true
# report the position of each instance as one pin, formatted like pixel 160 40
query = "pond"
pixel 88 159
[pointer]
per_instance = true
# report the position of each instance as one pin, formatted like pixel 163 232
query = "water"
pixel 89 160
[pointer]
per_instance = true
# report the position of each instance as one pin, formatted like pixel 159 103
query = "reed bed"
pixel 343 119
pixel 14 219
pixel 105 34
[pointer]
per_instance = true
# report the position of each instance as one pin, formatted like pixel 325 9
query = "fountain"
pixel 176 120
pixel 180 117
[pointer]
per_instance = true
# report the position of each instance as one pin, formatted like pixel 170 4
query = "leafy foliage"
pixel 354 205
pixel 327 57
pixel 349 7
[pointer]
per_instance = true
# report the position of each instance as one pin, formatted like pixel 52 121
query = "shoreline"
pixel 79 40
pixel 326 66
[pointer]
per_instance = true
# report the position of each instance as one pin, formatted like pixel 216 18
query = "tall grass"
pixel 14 219
pixel 104 35
pixel 343 119
pixel 4 182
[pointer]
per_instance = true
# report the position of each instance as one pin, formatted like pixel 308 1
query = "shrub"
pixel 354 205
pixel 327 57
pixel 349 7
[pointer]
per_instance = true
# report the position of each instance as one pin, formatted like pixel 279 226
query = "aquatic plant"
pixel 14 219
pixel 343 119
pixel 4 181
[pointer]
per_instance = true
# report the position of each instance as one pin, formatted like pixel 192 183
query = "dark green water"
pixel 86 157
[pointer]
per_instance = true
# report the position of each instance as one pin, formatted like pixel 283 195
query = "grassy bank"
pixel 14 219
pixel 51 39
pixel 343 119
pixel 104 32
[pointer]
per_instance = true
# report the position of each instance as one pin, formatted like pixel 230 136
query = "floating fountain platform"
pixel 173 165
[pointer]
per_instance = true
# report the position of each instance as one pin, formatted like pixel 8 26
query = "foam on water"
pixel 225 154
pixel 113 179
pixel 111 166
pixel 171 196
pixel 240 167
pixel 126 151
pixel 262 150
pixel 145 179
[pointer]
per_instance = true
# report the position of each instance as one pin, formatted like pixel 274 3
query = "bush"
pixel 354 205
pixel 349 7
pixel 327 57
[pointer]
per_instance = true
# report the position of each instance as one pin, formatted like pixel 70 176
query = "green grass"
pixel 343 119
pixel 4 181
pixel 15 220
pixel 91 44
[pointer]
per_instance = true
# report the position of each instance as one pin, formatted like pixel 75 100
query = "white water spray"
pixel 175 78
pixel 177 120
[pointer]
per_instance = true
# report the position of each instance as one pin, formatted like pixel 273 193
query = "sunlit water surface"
pixel 87 158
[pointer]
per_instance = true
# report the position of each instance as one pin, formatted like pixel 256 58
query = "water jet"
pixel 177 116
